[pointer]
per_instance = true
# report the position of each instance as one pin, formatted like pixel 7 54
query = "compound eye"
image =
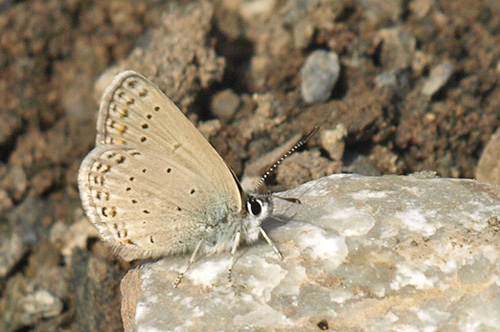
pixel 254 206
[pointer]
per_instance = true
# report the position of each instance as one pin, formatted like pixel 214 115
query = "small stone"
pixel 225 104
pixel 488 167
pixel 332 140
pixel 438 77
pixel 40 304
pixel 319 73
pixel 11 251
pixel 397 49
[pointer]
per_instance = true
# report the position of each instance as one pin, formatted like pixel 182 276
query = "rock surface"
pixel 387 253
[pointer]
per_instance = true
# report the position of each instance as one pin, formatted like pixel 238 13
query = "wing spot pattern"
pixel 146 212
pixel 131 101
pixel 144 170
pixel 143 139
pixel 145 126
pixel 169 170
pixel 193 190
pixel 104 168
pixel 157 108
pixel 131 178
pixel 121 129
pixel 134 201
pixel 112 212
pixel 179 208
pixel 143 93
pixel 100 195
pixel 132 83
pixel 120 160
pixel 104 211
pixel 123 113
pixel 149 116
pixel 128 189
pixel 151 239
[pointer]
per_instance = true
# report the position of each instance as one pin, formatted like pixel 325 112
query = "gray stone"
pixel 319 73
pixel 438 77
pixel 361 254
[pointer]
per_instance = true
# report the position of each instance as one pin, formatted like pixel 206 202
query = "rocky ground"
pixel 396 86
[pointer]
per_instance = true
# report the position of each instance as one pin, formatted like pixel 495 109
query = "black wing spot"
pixel 128 189
pixel 131 178
pixel 143 139
pixel 169 170
pixel 132 83
pixel 134 201
pixel 157 108
pixel 149 116
pixel 193 191
pixel 179 208
pixel 144 170
pixel 146 212
pixel 151 239
pixel 145 126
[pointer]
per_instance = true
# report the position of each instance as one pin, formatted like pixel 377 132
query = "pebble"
pixel 488 168
pixel 225 104
pixel 41 303
pixel 438 77
pixel 11 251
pixel 398 47
pixel 332 140
pixel 319 73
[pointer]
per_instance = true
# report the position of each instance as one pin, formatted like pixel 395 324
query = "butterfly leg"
pixel 236 243
pixel 191 260
pixel 271 243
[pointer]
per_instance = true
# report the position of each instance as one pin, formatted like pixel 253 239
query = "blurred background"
pixel 396 86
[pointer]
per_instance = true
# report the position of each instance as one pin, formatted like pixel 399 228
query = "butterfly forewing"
pixel 152 170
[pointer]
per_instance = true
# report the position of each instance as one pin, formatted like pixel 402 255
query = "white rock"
pixel 361 253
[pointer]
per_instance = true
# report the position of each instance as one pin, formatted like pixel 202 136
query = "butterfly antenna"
pixel 300 143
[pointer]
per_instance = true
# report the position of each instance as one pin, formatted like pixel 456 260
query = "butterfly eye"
pixel 254 206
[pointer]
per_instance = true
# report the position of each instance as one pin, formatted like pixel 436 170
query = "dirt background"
pixel 234 68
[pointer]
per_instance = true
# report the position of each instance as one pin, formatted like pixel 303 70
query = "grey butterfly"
pixel 153 186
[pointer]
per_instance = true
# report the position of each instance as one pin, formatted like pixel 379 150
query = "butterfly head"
pixel 257 207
